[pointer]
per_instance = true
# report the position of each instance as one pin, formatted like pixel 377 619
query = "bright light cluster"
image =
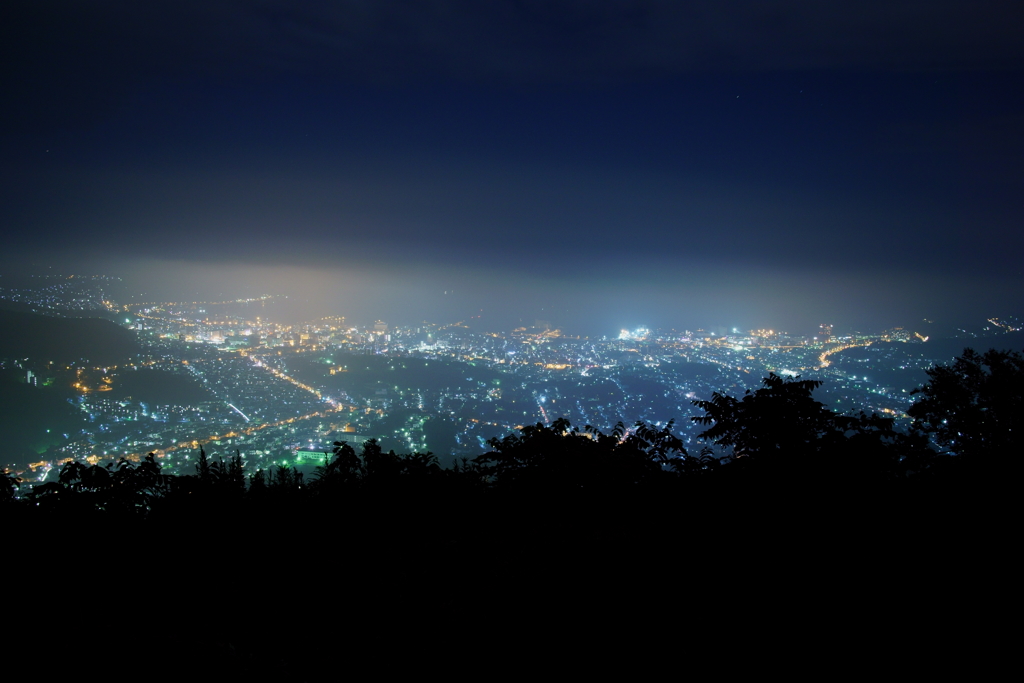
pixel 639 334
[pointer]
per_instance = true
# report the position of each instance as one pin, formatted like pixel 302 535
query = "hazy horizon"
pixel 737 164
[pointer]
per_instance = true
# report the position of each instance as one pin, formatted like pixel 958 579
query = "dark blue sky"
pixel 593 164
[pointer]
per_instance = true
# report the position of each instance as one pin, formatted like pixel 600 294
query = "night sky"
pixel 597 164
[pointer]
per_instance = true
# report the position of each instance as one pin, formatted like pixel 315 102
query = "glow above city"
pixel 592 166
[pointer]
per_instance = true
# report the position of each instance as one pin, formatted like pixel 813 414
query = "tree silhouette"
pixel 203 471
pixel 779 418
pixel 974 406
pixel 286 480
pixel 125 487
pixel 561 458
pixel 8 486
pixel 227 477
pixel 344 470
pixel 781 431
pixel 137 485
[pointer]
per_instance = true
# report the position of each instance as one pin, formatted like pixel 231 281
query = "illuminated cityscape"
pixel 225 375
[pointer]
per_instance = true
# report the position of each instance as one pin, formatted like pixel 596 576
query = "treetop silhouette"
pixel 974 406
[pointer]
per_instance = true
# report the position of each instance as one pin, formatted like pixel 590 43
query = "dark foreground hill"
pixel 64 340
pixel 558 549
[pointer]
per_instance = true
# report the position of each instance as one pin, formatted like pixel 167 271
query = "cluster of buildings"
pixel 60 294
pixel 282 395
